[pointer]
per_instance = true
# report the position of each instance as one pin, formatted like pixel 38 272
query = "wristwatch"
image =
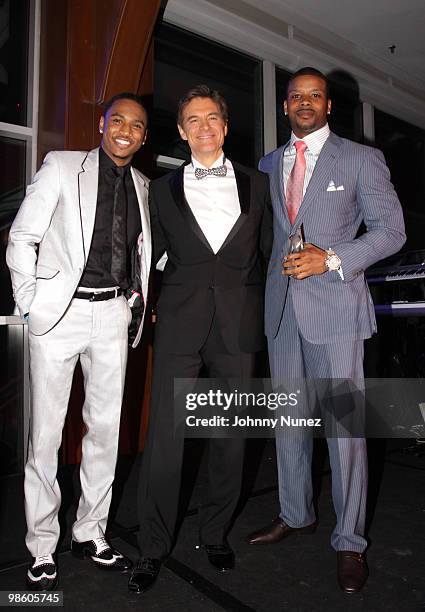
pixel 332 261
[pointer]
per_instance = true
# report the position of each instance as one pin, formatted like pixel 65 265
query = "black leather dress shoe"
pixel 221 556
pixel 102 554
pixel 277 531
pixel 352 570
pixel 42 574
pixel 144 575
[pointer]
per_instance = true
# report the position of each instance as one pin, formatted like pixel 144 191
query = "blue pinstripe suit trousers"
pixel 292 357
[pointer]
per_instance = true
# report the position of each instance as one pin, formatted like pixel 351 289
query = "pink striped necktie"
pixel 295 185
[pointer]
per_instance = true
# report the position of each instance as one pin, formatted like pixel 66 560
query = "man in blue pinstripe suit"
pixel 318 306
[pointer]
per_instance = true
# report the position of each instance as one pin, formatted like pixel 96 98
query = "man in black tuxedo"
pixel 213 219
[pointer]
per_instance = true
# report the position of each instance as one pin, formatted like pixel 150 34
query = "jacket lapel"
pixel 141 186
pixel 88 179
pixel 177 191
pixel 243 183
pixel 277 185
pixel 320 176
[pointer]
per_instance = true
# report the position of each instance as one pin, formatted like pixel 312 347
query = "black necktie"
pixel 119 230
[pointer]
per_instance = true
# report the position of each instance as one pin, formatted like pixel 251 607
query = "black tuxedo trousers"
pixel 160 476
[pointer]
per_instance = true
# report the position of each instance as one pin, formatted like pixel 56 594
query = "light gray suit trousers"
pixel 95 332
pixel 348 458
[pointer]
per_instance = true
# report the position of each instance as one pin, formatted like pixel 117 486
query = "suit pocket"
pixel 46 272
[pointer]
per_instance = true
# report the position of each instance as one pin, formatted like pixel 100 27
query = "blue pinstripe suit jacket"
pixel 329 308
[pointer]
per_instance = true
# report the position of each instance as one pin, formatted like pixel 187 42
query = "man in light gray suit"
pixel 69 256
pixel 318 306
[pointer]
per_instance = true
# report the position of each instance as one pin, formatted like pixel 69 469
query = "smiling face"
pixel 204 128
pixel 124 130
pixel 307 104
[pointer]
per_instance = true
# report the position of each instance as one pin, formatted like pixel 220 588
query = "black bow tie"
pixel 201 173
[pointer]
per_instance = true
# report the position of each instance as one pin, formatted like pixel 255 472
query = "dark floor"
pixel 297 575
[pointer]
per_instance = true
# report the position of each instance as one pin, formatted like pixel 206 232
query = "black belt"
pixel 94 296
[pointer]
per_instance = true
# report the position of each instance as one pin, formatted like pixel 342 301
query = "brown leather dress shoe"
pixel 352 570
pixel 277 531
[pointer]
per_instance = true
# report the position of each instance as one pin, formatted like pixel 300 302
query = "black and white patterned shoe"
pixel 42 574
pixel 102 554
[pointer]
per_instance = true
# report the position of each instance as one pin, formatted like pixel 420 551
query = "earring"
pixel 100 131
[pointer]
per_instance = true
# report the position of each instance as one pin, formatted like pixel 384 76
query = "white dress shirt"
pixel 314 142
pixel 214 200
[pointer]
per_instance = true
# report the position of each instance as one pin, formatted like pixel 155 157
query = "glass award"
pixel 296 240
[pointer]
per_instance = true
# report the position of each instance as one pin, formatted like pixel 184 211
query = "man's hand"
pixel 308 262
pixel 137 305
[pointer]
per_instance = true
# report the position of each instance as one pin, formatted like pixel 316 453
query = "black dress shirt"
pixel 97 273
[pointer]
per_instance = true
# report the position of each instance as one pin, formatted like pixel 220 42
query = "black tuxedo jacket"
pixel 198 283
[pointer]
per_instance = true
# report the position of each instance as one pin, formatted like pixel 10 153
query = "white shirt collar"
pixel 218 162
pixel 314 141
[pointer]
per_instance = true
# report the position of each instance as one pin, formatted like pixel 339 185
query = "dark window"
pixel 282 123
pixel 12 188
pixel 403 145
pixel 346 118
pixel 14 24
pixel 183 60
pixel 11 399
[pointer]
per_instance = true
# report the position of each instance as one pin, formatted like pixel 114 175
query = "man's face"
pixel 124 130
pixel 307 104
pixel 204 129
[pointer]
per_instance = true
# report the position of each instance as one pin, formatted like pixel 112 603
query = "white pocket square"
pixel 333 187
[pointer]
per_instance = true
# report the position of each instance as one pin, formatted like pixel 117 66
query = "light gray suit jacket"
pixel 50 238
pixel 329 308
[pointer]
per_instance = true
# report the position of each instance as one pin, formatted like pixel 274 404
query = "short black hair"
pixel 202 91
pixel 309 71
pixel 125 95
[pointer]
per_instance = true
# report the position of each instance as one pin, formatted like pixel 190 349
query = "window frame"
pixel 29 135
